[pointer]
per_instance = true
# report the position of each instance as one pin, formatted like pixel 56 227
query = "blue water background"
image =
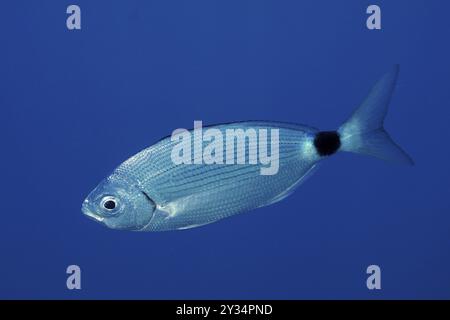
pixel 75 104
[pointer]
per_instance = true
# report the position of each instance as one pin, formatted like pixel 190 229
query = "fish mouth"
pixel 89 213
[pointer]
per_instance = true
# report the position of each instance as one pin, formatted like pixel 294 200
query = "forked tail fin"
pixel 363 132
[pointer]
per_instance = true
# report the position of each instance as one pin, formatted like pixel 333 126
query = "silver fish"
pixel 149 192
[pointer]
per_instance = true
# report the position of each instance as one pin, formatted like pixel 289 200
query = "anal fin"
pixel 292 188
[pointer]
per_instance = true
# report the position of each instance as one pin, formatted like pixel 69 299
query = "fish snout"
pixel 89 213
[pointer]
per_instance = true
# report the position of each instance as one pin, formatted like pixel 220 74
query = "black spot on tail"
pixel 327 142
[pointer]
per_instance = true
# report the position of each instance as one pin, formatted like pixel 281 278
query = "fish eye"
pixel 109 203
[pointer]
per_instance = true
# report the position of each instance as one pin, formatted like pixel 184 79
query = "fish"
pixel 149 192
